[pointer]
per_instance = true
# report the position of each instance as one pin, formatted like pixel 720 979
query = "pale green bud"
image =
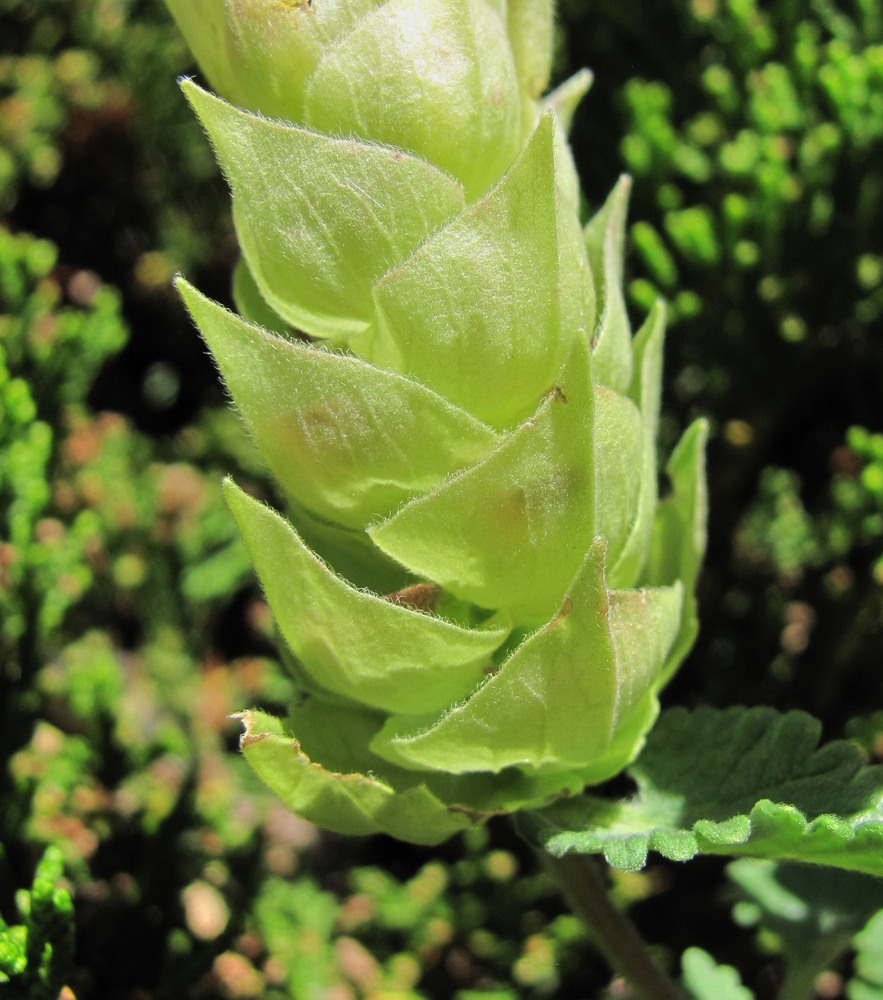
pixel 409 73
pixel 483 593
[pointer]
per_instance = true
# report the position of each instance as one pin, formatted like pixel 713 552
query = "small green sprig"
pixel 36 955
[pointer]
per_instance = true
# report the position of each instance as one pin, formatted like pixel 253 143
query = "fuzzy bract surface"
pixel 479 588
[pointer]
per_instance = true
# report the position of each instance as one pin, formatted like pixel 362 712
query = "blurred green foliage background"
pixel 130 624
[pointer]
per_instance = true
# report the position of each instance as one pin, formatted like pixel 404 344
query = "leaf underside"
pixel 748 782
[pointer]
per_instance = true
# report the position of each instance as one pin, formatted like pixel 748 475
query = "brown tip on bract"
pixel 417 597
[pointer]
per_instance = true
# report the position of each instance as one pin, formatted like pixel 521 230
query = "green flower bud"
pixel 480 592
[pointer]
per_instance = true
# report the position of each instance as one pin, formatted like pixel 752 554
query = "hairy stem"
pixel 616 937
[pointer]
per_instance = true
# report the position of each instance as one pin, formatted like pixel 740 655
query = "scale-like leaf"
pixel 511 531
pixel 340 435
pixel 677 542
pixel 618 466
pixel 353 643
pixel 260 55
pixel 350 551
pixel 565 98
pixel 379 797
pixel 344 803
pixel 251 305
pixel 531 33
pixel 511 249
pixel 339 735
pixel 645 392
pixel 605 237
pixel 737 781
pixel 556 702
pixel 207 31
pixel 374 84
pixel 320 218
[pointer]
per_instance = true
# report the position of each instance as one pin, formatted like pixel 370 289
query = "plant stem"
pixel 616 937
pixel 804 970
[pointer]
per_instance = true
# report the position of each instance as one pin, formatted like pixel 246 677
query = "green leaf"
pixel 513 249
pixel 677 543
pixel 531 32
pixel 735 782
pixel 465 117
pixel 251 305
pixel 563 102
pixel 612 340
pixel 203 24
pixel 349 550
pixel 336 736
pixel 565 98
pixel 260 55
pixel 618 466
pixel 645 391
pixel 805 906
pixel 811 911
pixel 706 980
pixel 342 437
pixel 353 643
pixel 511 531
pixel 555 703
pixel 346 212
pixel 867 983
pixel 344 803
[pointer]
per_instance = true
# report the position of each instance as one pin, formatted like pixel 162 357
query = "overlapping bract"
pixel 483 594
